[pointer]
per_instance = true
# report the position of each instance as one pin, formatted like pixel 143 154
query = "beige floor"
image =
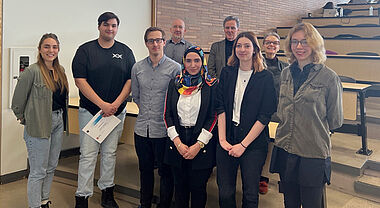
pixel 127 175
pixel 62 196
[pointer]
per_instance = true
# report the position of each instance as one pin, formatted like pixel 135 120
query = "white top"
pixel 241 83
pixel 188 107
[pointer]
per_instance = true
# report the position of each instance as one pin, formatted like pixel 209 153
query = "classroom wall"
pixel 75 22
pixel 204 18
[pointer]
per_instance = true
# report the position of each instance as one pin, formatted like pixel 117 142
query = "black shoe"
pixel 81 202
pixel 46 205
pixel 108 200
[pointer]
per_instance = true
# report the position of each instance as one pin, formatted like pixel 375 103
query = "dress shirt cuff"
pixel 172 133
pixel 204 136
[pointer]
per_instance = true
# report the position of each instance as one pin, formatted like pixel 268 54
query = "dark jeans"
pixel 190 182
pixel 295 195
pixel 148 151
pixel 251 164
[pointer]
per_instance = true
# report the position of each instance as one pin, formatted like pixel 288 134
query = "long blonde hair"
pixel 257 59
pixel 59 79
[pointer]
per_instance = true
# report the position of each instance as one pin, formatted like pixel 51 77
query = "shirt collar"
pixel 181 41
pixel 164 57
pixel 308 67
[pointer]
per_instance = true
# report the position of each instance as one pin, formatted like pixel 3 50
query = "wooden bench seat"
pixel 359 6
pixel 340 46
pixel 368 31
pixel 362 68
pixel 346 21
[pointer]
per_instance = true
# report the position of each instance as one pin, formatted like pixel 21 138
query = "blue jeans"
pixel 89 149
pixel 43 155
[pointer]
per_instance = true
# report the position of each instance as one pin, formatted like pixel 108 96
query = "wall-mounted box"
pixel 20 58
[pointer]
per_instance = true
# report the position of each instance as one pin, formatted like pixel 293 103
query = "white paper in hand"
pixel 100 127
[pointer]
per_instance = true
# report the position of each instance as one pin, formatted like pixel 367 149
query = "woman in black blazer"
pixel 190 119
pixel 245 102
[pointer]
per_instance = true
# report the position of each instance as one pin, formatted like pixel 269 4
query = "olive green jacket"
pixel 32 102
pixel 307 117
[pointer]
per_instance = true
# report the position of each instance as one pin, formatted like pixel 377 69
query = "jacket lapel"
pixel 174 104
pixel 205 94
pixel 231 89
pixel 223 52
pixel 252 81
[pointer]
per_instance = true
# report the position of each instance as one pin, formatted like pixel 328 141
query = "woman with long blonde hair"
pixel 40 103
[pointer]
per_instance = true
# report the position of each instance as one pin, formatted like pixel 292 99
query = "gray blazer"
pixel 217 58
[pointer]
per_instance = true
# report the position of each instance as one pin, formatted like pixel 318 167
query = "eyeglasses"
pixel 157 40
pixel 296 42
pixel 271 42
pixel 178 27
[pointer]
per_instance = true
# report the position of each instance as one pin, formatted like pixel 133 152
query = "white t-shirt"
pixel 241 83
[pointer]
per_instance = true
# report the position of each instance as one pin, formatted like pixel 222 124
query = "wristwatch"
pixel 201 144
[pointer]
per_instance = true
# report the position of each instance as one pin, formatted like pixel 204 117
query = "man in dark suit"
pixel 220 51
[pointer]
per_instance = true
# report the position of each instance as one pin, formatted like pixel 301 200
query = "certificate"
pixel 99 127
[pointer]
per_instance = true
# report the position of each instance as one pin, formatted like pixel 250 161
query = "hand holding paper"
pixel 100 127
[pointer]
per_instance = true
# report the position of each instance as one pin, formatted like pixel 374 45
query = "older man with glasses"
pixel 176 46
pixel 150 79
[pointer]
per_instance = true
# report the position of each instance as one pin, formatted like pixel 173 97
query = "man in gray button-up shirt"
pixel 150 78
pixel 176 46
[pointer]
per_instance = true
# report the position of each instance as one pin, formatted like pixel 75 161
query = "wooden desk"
pixel 132 109
pixel 272 129
pixel 351 90
pixel 73 115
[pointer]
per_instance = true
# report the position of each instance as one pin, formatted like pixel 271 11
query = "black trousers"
pixel 302 180
pixel 148 151
pixel 295 195
pixel 190 183
pixel 251 164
